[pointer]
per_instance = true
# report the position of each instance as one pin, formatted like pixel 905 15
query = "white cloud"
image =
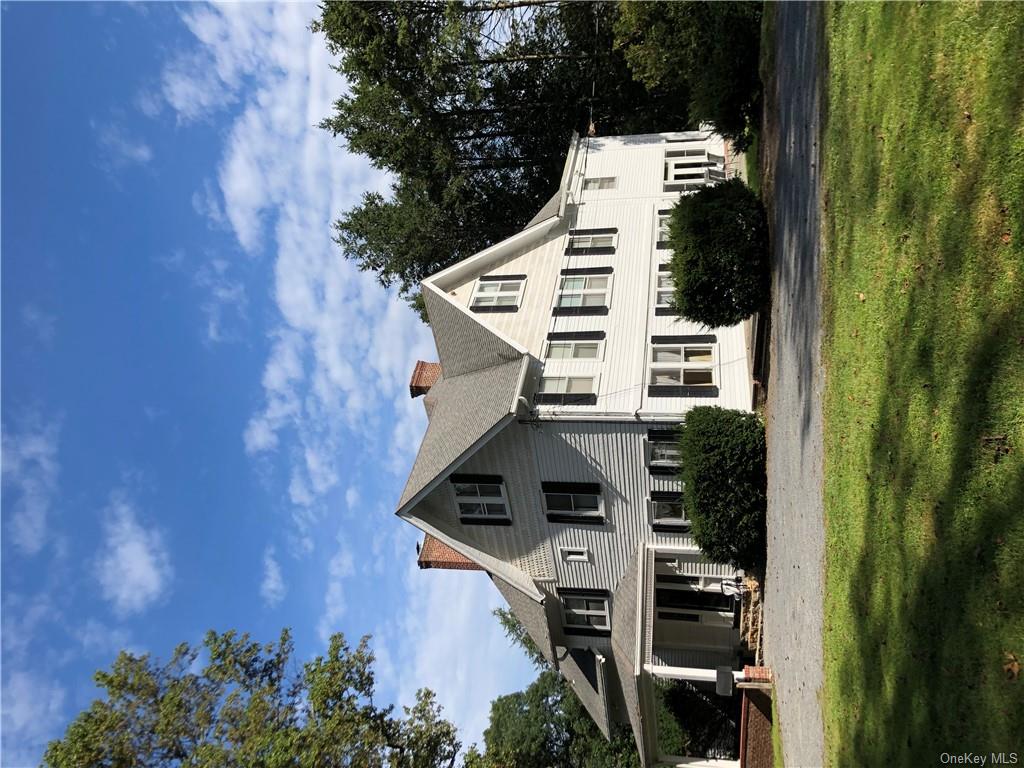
pixel 32 711
pixel 134 569
pixel 335 605
pixel 445 613
pixel 344 347
pixel 40 324
pixel 30 468
pixel 99 639
pixel 226 300
pixel 117 148
pixel 272 588
pixel 352 498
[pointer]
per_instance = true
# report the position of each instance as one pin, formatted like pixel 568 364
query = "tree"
pixel 247 707
pixel 709 49
pixel 723 456
pixel 546 726
pixel 719 239
pixel 470 105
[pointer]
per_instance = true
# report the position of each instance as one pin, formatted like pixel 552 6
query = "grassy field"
pixel 924 408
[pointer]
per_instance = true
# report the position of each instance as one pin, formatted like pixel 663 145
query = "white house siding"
pixel 623 374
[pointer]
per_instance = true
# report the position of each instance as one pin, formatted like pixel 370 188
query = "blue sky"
pixel 205 408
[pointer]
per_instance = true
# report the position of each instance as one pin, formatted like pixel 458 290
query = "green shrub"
pixel 724 484
pixel 719 238
pixel 709 49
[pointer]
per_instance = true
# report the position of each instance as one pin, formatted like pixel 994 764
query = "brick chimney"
pixel 435 554
pixel 424 376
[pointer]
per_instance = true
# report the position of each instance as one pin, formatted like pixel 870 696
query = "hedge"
pixel 719 239
pixel 724 484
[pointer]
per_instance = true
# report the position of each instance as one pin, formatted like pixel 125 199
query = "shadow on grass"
pixel 936 594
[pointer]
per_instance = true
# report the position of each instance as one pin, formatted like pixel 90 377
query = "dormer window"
pixel 498 293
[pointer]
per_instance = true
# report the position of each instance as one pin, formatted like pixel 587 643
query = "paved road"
pixel 795 579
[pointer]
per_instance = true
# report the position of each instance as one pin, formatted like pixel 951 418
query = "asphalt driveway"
pixel 795 577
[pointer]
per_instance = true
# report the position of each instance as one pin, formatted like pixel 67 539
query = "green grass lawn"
pixel 924 352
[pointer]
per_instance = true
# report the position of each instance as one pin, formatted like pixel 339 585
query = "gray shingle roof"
pixel 463 343
pixel 464 409
pixel 531 615
pixel 624 644
pixel 550 209
pixel 478 388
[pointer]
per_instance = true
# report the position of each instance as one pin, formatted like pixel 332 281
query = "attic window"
pixel 498 293
pixel 481 499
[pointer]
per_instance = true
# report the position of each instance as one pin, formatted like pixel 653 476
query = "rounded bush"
pixel 719 238
pixel 724 484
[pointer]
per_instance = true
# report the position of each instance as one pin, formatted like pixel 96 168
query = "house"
pixel 549 461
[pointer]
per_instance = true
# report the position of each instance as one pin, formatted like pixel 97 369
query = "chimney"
pixel 424 376
pixel 435 554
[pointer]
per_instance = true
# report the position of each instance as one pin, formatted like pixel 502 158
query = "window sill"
pixel 607 250
pixel 487 310
pixel 576 519
pixel 679 528
pixel 481 521
pixel 672 390
pixel 576 311
pixel 587 631
pixel 556 398
pixel 664 470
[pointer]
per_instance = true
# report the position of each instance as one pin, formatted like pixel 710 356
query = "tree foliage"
pixel 546 726
pixel 709 49
pixel 247 706
pixel 470 105
pixel 723 455
pixel 719 239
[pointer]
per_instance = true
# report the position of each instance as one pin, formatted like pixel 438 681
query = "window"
pixel 573 503
pixel 661 451
pixel 575 554
pixel 502 293
pixel 592 241
pixel 661 236
pixel 583 295
pixel 585 612
pixel 682 367
pixel 567 390
pixel 599 182
pixel 481 499
pixel 667 513
pixel 664 292
pixel 687 170
pixel 684 598
pixel 573 350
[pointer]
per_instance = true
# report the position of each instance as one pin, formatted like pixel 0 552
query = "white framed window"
pixel 498 294
pixel 586 242
pixel 585 612
pixel 575 554
pixel 481 499
pixel 690 365
pixel 573 502
pixel 584 291
pixel 664 291
pixel 667 512
pixel 661 453
pixel 662 234
pixel 599 182
pixel 567 390
pixel 689 169
pixel 590 349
